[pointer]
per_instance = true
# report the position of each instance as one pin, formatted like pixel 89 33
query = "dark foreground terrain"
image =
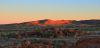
pixel 51 34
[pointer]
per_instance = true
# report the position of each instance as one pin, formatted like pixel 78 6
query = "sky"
pixel 15 11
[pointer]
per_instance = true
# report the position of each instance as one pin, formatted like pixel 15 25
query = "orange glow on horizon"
pixel 7 18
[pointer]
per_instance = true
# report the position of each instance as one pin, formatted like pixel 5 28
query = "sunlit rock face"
pixel 50 22
pixel 57 22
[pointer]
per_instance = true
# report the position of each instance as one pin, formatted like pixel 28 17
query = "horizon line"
pixel 44 19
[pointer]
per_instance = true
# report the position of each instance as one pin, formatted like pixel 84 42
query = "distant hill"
pixel 33 24
pixel 44 22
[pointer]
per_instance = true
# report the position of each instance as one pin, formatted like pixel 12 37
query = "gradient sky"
pixel 13 11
